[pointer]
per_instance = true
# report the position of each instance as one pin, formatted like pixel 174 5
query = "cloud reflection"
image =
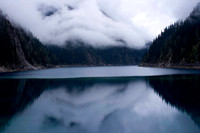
pixel 102 108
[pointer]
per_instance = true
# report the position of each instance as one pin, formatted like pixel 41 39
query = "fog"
pixel 96 22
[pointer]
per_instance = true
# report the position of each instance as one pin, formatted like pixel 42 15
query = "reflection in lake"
pixel 101 105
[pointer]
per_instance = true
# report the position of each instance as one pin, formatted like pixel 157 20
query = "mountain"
pixel 178 45
pixel 83 54
pixel 20 50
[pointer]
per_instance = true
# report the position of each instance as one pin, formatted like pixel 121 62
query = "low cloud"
pixel 96 22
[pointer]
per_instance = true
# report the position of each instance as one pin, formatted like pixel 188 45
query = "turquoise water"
pixel 83 72
pixel 100 100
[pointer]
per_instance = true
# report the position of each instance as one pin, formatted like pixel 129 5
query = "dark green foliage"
pixel 17 46
pixel 34 51
pixel 87 55
pixel 7 49
pixel 19 49
pixel 178 44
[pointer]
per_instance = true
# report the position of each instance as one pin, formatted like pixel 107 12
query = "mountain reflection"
pixel 182 92
pixel 100 105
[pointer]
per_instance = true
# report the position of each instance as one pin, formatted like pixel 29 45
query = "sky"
pixel 96 22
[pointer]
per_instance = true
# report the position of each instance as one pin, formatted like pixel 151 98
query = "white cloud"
pixel 98 22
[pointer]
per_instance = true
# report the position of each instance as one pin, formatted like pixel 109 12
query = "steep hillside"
pixel 178 45
pixel 83 54
pixel 21 51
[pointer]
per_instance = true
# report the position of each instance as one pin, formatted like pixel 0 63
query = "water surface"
pixel 85 72
pixel 153 104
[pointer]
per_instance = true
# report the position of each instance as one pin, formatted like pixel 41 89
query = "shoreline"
pixel 178 66
pixel 4 69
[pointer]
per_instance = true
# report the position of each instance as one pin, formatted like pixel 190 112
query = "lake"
pixel 100 100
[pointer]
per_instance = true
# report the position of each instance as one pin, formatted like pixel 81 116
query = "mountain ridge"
pixel 178 45
pixel 20 50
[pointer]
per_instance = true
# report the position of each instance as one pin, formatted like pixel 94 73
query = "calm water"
pixel 86 72
pixel 109 100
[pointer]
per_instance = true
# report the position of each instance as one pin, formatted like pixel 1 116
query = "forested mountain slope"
pixel 20 50
pixel 178 45
pixel 83 54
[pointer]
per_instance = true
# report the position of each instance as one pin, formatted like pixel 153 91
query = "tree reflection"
pixel 182 92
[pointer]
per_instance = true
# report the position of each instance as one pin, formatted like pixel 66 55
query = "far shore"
pixel 167 65
pixel 39 67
